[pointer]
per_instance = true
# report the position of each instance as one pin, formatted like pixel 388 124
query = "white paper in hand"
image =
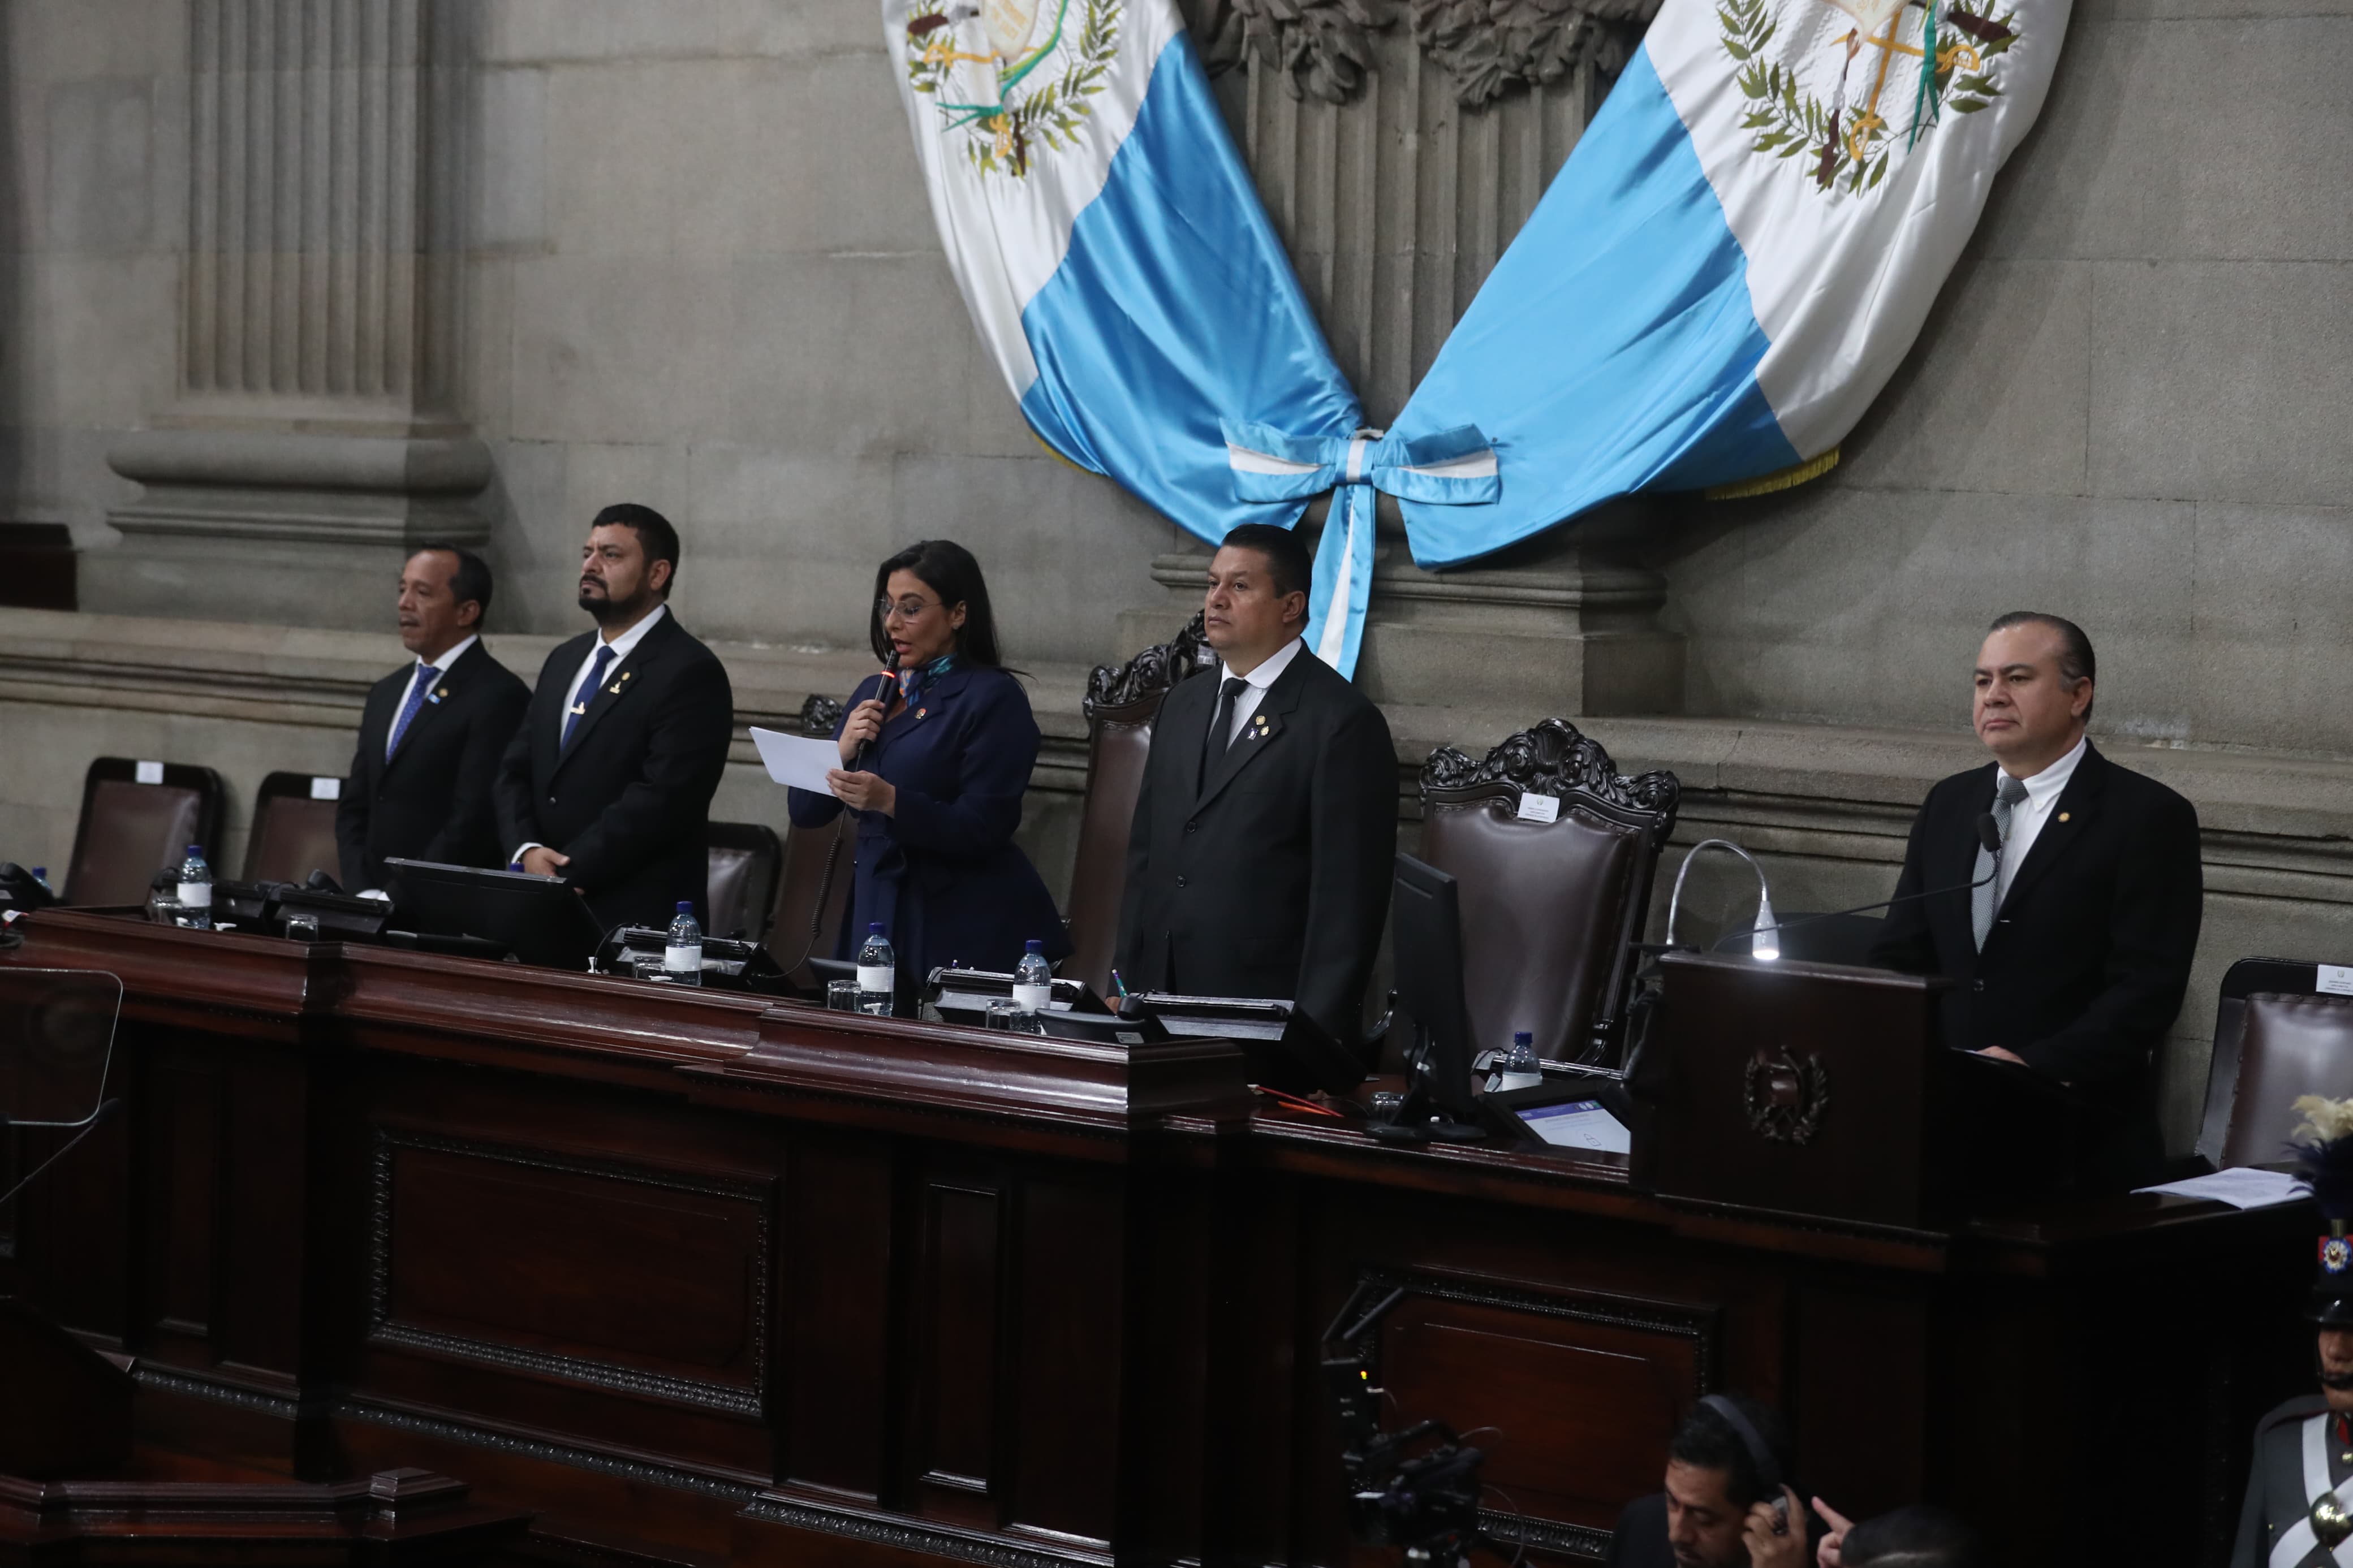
pixel 799 761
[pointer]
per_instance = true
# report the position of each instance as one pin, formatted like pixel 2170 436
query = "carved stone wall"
pixel 313 441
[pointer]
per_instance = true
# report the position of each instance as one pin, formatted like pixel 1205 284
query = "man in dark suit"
pixel 608 781
pixel 1259 860
pixel 432 733
pixel 2073 956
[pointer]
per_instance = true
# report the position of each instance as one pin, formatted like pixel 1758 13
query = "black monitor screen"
pixel 1429 956
pixel 540 919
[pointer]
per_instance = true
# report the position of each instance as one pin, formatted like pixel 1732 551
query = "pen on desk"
pixel 1119 985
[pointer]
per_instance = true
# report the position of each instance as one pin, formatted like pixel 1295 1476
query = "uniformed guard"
pixel 2299 1507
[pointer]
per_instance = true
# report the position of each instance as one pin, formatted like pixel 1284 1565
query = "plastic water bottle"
pixel 1033 981
pixel 196 892
pixel 878 972
pixel 682 957
pixel 1519 1067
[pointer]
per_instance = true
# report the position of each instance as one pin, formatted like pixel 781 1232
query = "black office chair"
pixel 747 858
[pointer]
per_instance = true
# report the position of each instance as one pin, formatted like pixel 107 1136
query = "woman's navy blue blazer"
pixel 942 874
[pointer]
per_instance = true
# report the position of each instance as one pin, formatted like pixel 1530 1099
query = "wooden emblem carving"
pixel 1150 673
pixel 1556 758
pixel 1784 1096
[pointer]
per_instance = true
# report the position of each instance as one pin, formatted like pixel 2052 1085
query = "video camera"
pixel 1419 1488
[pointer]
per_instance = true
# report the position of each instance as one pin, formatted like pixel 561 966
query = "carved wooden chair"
pixel 1121 704
pixel 2277 1037
pixel 1551 909
pixel 740 887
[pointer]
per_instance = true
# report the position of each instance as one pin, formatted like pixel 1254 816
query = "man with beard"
pixel 1726 1502
pixel 608 783
pixel 2299 1504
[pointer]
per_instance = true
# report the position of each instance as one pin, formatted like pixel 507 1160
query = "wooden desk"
pixel 692 1276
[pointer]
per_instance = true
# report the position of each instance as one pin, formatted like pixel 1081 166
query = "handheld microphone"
pixel 1989 837
pixel 890 673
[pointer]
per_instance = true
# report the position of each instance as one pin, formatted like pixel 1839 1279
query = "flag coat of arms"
pixel 1110 245
pixel 1739 252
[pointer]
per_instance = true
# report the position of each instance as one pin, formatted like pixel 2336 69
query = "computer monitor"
pixel 540 919
pixel 1428 928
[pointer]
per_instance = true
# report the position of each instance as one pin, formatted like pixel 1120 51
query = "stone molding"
pixel 1489 48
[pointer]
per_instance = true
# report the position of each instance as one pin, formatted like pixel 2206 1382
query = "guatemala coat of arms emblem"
pixel 1012 78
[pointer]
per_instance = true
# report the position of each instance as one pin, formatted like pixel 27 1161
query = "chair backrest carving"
pixel 1121 704
pixel 814 884
pixel 1550 909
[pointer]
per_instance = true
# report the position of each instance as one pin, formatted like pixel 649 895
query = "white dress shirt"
pixel 622 647
pixel 2027 817
pixel 1247 699
pixel 449 656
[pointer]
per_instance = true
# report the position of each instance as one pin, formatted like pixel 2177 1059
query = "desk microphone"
pixel 1988 836
pixel 891 674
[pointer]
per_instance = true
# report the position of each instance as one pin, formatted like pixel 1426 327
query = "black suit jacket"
pixel 630 798
pixel 2083 970
pixel 1274 879
pixel 432 800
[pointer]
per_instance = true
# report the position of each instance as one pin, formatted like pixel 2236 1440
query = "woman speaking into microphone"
pixel 935 760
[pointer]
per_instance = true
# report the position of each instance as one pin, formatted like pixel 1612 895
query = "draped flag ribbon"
pixel 1450 467
pixel 1737 256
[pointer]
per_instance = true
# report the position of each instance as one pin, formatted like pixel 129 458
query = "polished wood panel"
pixel 700 1276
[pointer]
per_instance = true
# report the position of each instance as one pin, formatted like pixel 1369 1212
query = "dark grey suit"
pixel 1270 875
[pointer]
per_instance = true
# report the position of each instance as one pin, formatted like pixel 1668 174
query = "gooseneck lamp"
pixel 1765 938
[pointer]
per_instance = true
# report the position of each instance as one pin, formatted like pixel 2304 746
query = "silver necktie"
pixel 1987 896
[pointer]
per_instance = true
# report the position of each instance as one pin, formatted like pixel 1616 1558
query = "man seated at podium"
pixel 2071 951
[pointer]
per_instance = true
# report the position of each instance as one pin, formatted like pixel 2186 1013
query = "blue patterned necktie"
pixel 596 678
pixel 417 691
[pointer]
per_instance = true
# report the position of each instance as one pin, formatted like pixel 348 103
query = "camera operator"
pixel 1727 1466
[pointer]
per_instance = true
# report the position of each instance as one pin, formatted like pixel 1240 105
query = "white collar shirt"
pixel 2027 817
pixel 440 668
pixel 622 647
pixel 1247 699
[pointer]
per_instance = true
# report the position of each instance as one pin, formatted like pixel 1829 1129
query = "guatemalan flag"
pixel 1738 254
pixel 1112 249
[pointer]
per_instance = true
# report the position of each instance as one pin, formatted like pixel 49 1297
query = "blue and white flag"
pixel 1738 254
pixel 1112 248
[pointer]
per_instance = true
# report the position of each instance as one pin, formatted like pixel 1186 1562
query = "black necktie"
pixel 1220 727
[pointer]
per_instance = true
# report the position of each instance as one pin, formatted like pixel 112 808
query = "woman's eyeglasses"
pixel 905 609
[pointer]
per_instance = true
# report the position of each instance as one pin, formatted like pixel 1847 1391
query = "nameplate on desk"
pixel 1535 807
pixel 2334 980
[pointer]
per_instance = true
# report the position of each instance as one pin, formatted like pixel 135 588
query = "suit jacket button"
pixel 1977 984
pixel 1180 881
pixel 1191 826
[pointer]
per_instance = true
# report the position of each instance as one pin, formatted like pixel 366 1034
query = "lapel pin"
pixel 2063 816
pixel 580 708
pixel 615 689
pixel 921 711
pixel 626 673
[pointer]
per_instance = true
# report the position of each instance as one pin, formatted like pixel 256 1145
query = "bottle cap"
pixel 195 850
pixel 686 906
pixel 1036 945
pixel 40 873
pixel 1522 1037
pixel 874 928
pixel 515 865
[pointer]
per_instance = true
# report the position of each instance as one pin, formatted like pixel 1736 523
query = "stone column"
pixel 312 442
